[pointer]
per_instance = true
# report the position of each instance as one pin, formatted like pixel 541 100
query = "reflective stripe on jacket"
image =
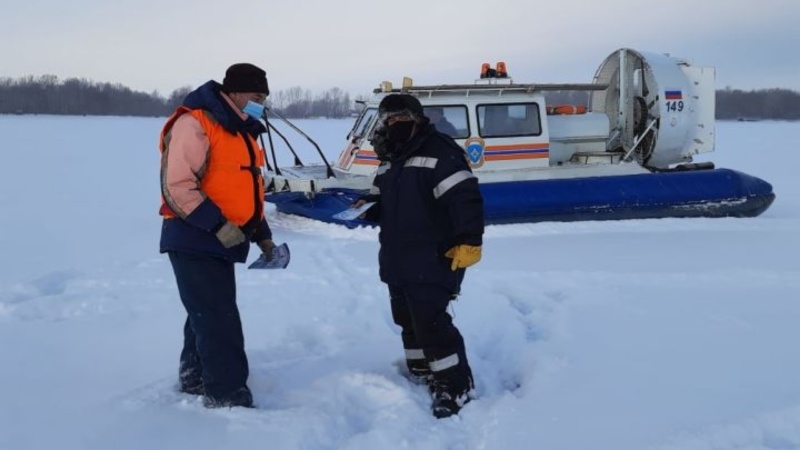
pixel 428 202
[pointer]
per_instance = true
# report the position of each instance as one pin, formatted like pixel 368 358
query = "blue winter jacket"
pixel 196 234
pixel 428 201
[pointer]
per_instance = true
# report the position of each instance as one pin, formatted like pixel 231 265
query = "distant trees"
pixel 297 102
pixel 47 94
pixel 772 104
pixel 74 96
pixel 731 104
pixel 78 96
pixel 176 98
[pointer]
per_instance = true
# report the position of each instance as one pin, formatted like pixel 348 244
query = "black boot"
pixel 190 373
pixel 240 397
pixel 449 397
pixel 419 372
pixel 192 389
pixel 450 391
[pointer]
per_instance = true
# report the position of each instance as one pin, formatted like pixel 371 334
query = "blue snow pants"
pixel 213 343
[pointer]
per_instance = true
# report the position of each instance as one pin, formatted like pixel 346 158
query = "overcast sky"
pixel 354 44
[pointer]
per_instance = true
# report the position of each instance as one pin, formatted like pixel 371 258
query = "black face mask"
pixel 400 132
pixel 380 143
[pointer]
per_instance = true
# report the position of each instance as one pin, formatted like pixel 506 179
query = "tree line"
pixel 78 96
pixel 731 104
pixel 770 104
pixel 47 94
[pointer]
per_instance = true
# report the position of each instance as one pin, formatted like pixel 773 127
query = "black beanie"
pixel 400 102
pixel 245 77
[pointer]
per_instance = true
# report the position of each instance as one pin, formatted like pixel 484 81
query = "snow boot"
pixel 449 396
pixel 240 397
pixel 446 404
pixel 192 389
pixel 190 380
pixel 419 372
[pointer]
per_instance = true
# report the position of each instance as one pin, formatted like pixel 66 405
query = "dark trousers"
pixel 213 343
pixel 421 311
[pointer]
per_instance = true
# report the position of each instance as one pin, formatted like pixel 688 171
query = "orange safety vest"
pixel 232 178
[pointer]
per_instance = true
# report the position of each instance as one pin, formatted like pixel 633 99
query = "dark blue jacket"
pixel 428 201
pixel 196 233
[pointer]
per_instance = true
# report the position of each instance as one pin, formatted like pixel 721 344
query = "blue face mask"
pixel 254 110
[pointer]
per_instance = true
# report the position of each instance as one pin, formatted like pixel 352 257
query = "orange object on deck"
pixel 565 109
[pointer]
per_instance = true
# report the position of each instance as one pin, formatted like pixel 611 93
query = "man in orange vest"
pixel 213 206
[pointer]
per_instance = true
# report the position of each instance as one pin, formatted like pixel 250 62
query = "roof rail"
pixel 527 88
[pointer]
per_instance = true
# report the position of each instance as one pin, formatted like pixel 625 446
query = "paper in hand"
pixel 353 213
pixel 280 259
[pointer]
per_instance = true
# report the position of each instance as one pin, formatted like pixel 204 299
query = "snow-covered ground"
pixel 664 334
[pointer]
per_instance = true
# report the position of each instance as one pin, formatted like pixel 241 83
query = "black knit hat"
pixel 245 77
pixel 393 103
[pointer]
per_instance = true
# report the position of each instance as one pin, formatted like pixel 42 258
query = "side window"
pixel 509 120
pixel 450 120
pixel 362 124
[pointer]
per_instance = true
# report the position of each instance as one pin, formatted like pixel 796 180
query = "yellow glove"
pixel 464 256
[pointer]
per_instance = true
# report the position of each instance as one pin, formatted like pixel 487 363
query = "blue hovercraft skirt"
pixel 692 193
